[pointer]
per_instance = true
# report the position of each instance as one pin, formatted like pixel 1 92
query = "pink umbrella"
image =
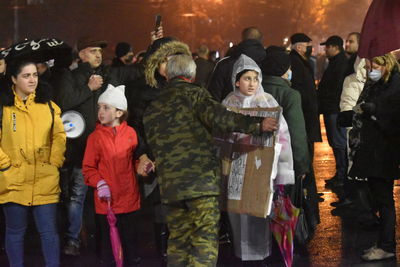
pixel 114 237
pixel 283 224
pixel 381 29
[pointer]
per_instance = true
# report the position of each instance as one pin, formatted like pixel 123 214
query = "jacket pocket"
pixel 12 178
pixel 47 179
pixel 42 154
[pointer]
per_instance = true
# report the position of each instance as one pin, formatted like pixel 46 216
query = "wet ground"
pixel 337 241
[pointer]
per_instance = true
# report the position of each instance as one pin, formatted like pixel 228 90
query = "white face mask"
pixel 375 75
pixel 289 75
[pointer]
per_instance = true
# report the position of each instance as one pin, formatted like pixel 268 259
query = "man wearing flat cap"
pixel 303 81
pixel 79 90
pixel 329 92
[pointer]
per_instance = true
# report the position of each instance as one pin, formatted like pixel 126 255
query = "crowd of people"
pixel 154 116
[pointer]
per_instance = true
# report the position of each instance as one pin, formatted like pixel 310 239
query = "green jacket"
pixel 290 101
pixel 178 127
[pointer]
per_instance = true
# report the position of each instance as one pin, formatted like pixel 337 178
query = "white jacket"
pixel 353 85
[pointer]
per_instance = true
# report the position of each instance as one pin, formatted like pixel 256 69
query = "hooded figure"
pixel 251 235
pixel 237 99
pixel 220 85
pixel 140 94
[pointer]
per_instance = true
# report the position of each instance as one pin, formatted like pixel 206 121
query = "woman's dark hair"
pixel 14 67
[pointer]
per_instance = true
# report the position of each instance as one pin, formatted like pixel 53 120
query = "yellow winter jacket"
pixel 30 154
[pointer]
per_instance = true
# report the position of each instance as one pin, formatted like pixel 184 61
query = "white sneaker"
pixel 369 249
pixel 377 254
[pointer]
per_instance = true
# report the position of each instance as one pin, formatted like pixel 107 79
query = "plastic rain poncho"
pixel 251 235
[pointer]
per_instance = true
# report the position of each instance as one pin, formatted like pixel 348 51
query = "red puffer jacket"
pixel 109 156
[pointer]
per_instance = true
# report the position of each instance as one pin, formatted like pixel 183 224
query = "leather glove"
pixel 103 190
pixel 368 108
pixel 345 118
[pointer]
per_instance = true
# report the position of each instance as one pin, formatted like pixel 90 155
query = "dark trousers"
pixel 382 196
pixel 338 141
pixel 309 183
pixel 128 233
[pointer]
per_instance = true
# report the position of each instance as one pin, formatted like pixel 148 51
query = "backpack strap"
pixel 1 115
pixel 52 121
pixel 52 113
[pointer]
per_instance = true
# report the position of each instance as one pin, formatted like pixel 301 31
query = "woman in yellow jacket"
pixel 31 151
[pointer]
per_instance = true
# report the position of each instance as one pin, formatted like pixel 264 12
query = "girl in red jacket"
pixel 109 167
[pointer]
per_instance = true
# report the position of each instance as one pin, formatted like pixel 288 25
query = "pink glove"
pixel 103 190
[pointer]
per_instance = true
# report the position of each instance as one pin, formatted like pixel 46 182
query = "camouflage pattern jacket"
pixel 179 127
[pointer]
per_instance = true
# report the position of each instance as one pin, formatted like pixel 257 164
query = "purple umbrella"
pixel 114 237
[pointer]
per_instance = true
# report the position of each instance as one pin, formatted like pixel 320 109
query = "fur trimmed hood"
pixel 165 50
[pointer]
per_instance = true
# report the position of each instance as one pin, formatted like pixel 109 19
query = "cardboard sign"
pixel 247 163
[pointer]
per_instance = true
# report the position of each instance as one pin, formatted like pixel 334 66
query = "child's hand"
pixel 103 191
pixel 145 166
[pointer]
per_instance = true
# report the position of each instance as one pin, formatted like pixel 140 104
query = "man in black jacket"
pixel 330 90
pixel 303 82
pixel 79 90
pixel 204 68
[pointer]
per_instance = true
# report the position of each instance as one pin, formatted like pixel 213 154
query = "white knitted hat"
pixel 114 96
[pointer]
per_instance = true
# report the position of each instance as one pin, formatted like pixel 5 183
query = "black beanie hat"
pixel 274 48
pixel 158 43
pixel 276 63
pixel 122 49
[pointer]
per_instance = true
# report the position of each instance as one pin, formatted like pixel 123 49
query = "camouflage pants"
pixel 193 239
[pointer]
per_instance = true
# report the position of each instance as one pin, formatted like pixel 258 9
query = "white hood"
pixel 237 99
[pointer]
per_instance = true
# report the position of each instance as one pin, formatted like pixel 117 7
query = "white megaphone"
pixel 74 123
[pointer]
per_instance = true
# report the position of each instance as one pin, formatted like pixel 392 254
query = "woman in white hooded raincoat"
pixel 251 235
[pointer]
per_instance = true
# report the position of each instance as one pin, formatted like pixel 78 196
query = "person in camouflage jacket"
pixel 179 126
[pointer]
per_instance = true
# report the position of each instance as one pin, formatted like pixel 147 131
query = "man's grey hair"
pixel 181 65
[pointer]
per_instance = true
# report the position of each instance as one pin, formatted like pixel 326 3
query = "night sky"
pixel 211 22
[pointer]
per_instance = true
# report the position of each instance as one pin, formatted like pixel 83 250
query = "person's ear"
pixel 237 84
pixel 119 113
pixel 81 55
pixel 13 80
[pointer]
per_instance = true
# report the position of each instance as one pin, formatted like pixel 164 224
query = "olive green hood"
pixel 165 50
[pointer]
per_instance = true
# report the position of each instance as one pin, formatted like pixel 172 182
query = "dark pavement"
pixel 337 241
